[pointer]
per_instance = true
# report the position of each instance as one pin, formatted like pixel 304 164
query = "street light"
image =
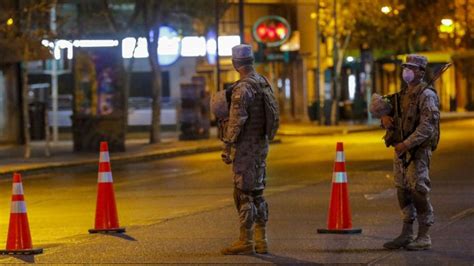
pixel 386 9
pixel 447 22
pixel 447 25
pixel 10 22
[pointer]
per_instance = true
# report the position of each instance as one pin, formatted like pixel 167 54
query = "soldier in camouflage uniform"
pixel 420 129
pixel 246 147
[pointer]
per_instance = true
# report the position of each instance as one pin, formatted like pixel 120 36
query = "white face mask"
pixel 408 75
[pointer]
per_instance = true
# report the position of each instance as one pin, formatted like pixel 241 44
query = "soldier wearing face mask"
pixel 419 124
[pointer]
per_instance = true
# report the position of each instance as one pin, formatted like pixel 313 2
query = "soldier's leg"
pixel 246 209
pixel 421 188
pixel 402 179
pixel 237 199
pixel 261 245
pixel 407 206
pixel 405 202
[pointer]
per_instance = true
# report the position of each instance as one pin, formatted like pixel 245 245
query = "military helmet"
pixel 219 105
pixel 416 61
pixel 242 52
pixel 242 55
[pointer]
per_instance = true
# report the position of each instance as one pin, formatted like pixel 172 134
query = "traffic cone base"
pixel 107 231
pixel 339 215
pixel 22 252
pixel 340 231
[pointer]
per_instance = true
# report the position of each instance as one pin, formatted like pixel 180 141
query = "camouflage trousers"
pixel 251 207
pixel 413 187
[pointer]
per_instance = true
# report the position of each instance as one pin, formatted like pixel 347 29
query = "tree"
pixel 404 26
pixel 394 27
pixel 26 24
pixel 337 20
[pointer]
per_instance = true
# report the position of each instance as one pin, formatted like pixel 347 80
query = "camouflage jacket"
pixel 420 116
pixel 246 133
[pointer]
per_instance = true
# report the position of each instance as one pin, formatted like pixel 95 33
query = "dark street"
pixel 180 210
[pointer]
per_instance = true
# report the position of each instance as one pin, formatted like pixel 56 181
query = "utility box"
pixel 98 111
pixel 195 110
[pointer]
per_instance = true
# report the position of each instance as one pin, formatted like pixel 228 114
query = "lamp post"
pixel 318 65
pixel 218 66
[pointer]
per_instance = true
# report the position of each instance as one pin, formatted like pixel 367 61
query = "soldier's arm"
pixel 241 96
pixel 429 116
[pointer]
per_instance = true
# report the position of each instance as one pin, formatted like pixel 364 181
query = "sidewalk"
pixel 139 149
pixel 62 155
pixel 313 129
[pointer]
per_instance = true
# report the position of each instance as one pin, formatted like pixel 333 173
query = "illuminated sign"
pixel 170 47
pixel 271 30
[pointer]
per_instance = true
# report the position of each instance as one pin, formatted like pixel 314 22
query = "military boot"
pixel 243 246
pixel 423 241
pixel 405 238
pixel 261 246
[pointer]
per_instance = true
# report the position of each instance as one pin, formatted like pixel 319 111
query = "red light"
pixel 271 33
pixel 262 31
pixel 271 30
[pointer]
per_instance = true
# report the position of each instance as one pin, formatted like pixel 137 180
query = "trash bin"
pixel 37 111
pixel 327 111
pixel 313 111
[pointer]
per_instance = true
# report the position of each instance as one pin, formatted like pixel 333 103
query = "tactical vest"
pixel 410 104
pixel 265 106
pixel 255 124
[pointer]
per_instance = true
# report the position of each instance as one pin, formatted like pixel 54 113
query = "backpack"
pixel 435 139
pixel 272 111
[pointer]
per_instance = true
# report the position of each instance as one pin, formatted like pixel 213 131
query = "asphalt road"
pixel 180 210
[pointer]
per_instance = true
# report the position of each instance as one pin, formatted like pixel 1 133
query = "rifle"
pixel 399 137
pixel 393 135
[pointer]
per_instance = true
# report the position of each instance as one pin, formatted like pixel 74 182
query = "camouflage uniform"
pixel 420 120
pixel 246 133
pixel 420 126
pixel 253 121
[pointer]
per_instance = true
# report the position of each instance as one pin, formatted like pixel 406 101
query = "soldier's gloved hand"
pixel 400 149
pixel 226 154
pixel 387 122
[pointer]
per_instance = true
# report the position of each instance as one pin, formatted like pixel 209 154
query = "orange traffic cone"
pixel 339 220
pixel 19 238
pixel 106 218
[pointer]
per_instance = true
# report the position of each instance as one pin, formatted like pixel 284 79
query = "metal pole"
pixel 241 20
pixel 368 82
pixel 54 79
pixel 318 65
pixel 334 120
pixel 218 66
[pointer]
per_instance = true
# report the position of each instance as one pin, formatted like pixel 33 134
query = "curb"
pixel 335 132
pixel 133 158
pixel 358 130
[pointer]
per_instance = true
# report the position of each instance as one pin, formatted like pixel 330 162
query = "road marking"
pixel 462 214
pixel 459 216
pixel 386 194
